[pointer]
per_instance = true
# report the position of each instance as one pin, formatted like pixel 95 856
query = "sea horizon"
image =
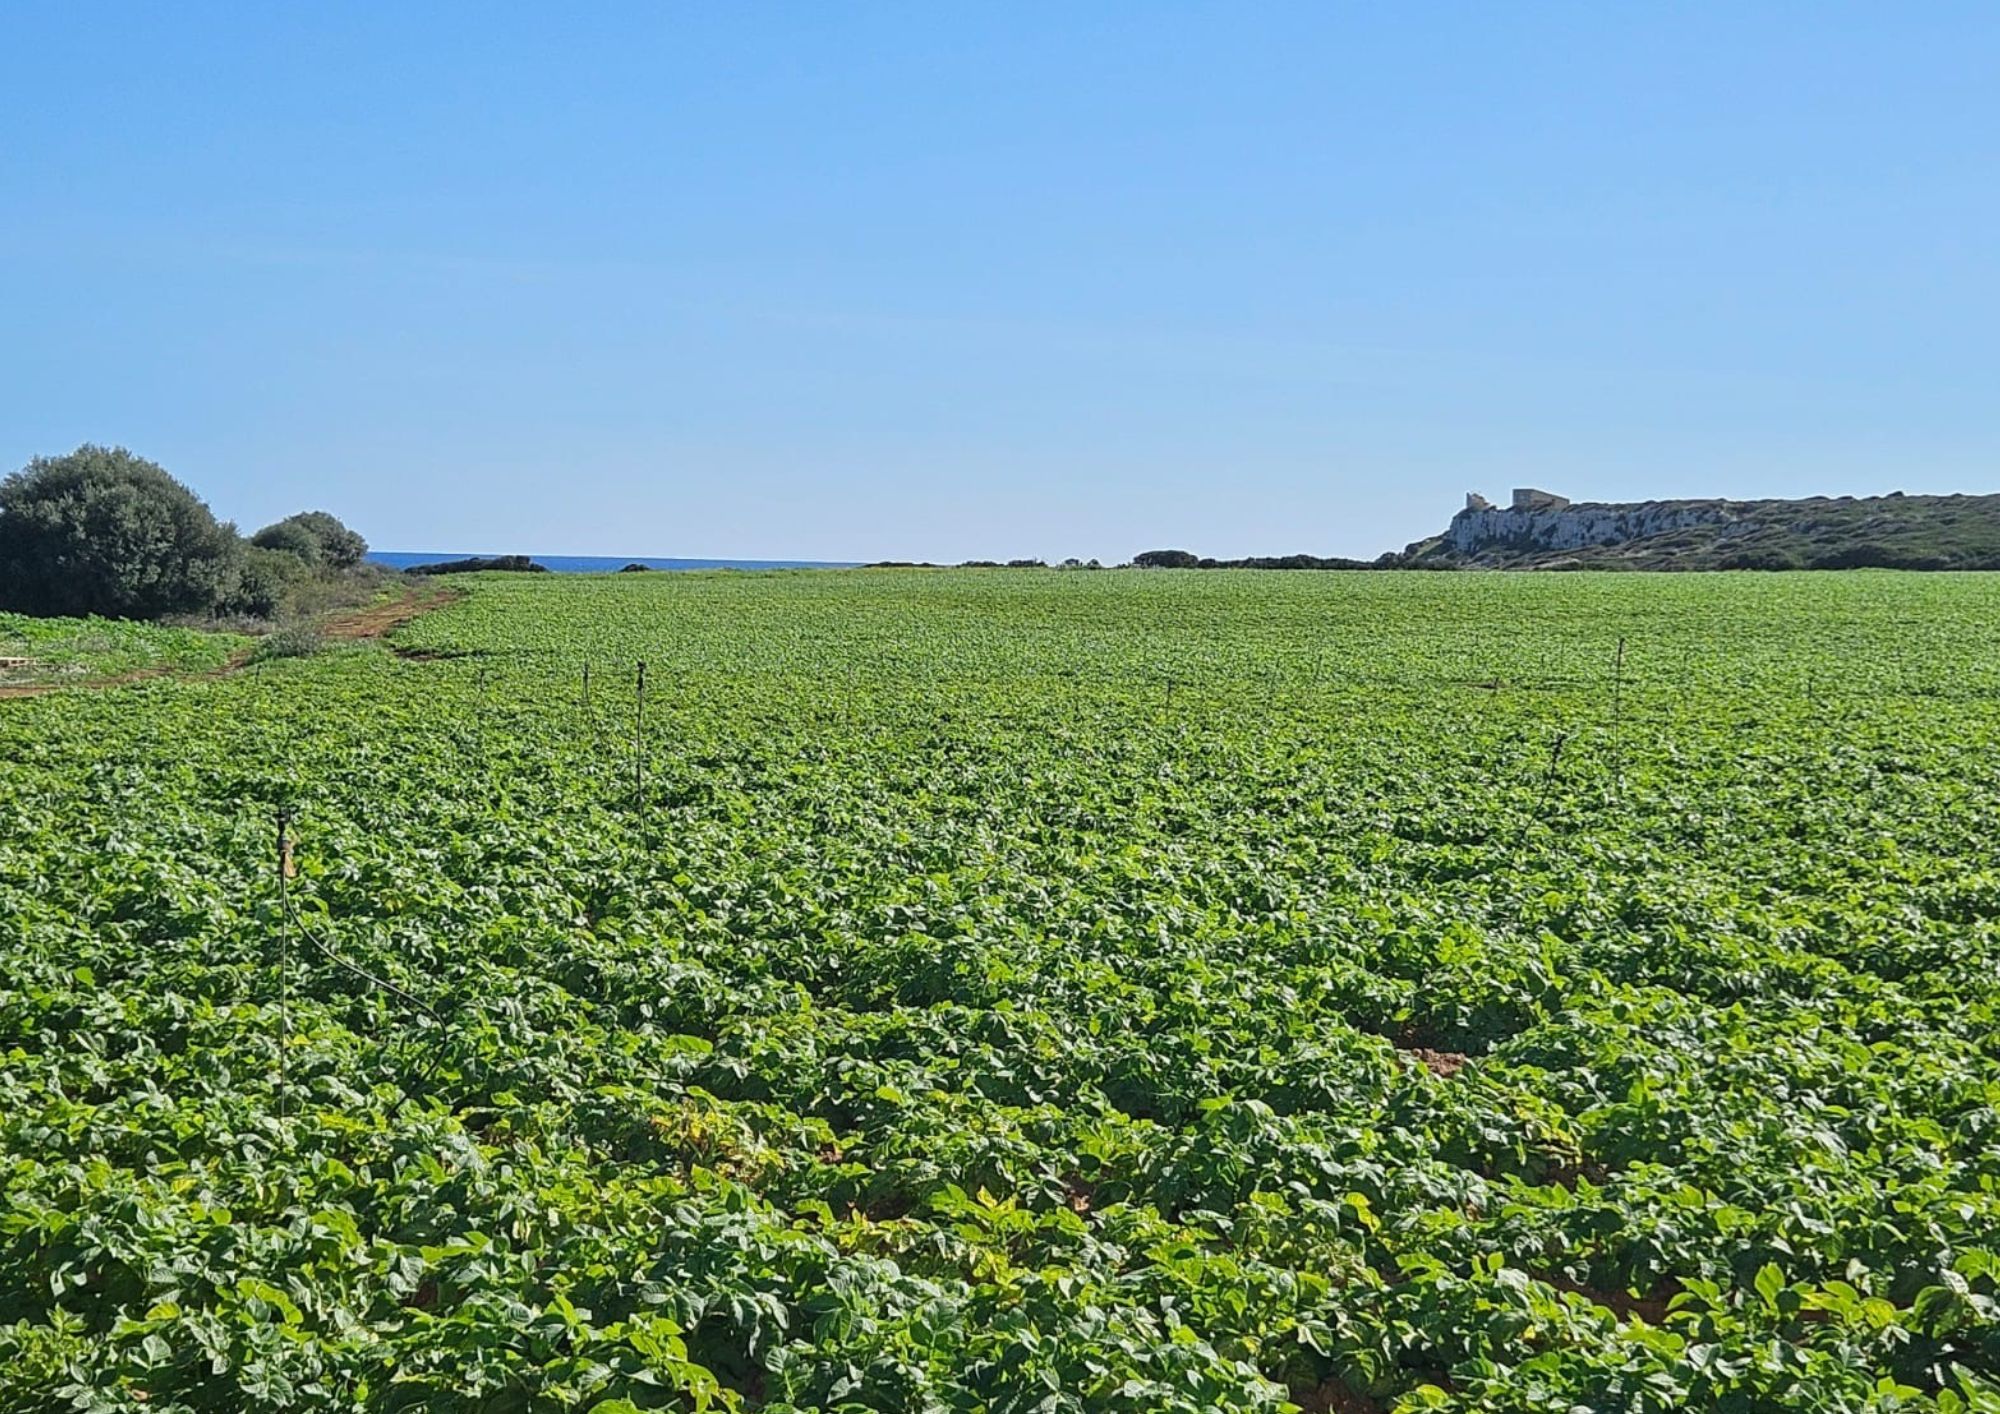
pixel 601 564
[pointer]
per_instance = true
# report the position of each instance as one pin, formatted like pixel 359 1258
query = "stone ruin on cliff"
pixel 1526 498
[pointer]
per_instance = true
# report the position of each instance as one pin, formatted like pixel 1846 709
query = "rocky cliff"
pixel 1540 530
pixel 1570 526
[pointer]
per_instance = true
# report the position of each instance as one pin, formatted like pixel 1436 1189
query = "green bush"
pixel 316 537
pixel 267 584
pixel 102 531
pixel 290 538
pixel 298 641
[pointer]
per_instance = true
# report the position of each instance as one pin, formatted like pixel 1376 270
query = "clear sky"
pixel 930 280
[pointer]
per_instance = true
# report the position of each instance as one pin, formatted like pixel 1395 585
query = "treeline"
pixel 1188 560
pixel 1157 560
pixel 102 531
pixel 1070 564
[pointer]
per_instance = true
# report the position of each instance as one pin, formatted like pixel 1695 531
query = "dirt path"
pixel 375 620
pixel 346 626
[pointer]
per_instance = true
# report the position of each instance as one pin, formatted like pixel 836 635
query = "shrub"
pixel 1769 558
pixel 1869 554
pixel 268 581
pixel 317 537
pixel 290 539
pixel 298 641
pixel 102 531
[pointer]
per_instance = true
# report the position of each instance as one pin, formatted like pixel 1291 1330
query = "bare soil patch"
pixel 1334 1397
pixel 375 620
pixel 1443 1064
pixel 1650 1308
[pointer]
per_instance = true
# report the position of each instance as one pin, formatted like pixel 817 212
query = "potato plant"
pixel 1012 991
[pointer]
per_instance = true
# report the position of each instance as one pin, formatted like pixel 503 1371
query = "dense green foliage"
pixel 266 582
pixel 478 564
pixel 101 531
pixel 316 538
pixel 1188 560
pixel 1144 991
pixel 52 650
pixel 302 567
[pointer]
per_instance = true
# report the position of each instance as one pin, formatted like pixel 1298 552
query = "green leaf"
pixel 1770 1281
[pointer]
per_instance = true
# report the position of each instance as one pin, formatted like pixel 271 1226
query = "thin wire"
pixel 292 913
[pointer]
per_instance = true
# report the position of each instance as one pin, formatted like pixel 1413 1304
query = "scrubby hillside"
pixel 1541 531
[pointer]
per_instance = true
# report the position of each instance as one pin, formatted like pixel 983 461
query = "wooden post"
pixel 639 743
pixel 1549 780
pixel 1618 685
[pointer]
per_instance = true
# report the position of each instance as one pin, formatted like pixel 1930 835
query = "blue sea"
pixel 605 564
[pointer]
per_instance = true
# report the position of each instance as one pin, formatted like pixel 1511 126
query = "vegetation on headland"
pixel 486 564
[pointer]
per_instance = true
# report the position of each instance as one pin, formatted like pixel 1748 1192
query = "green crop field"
pixel 37 653
pixel 1021 991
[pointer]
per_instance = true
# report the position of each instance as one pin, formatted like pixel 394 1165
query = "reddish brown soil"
pixel 1564 1173
pixel 1440 1063
pixel 1334 1397
pixel 1650 1308
pixel 375 620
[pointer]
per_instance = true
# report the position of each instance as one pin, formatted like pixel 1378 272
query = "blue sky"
pixel 937 281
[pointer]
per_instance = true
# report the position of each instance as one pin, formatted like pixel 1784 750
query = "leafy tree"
pixel 101 531
pixel 1166 560
pixel 317 537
